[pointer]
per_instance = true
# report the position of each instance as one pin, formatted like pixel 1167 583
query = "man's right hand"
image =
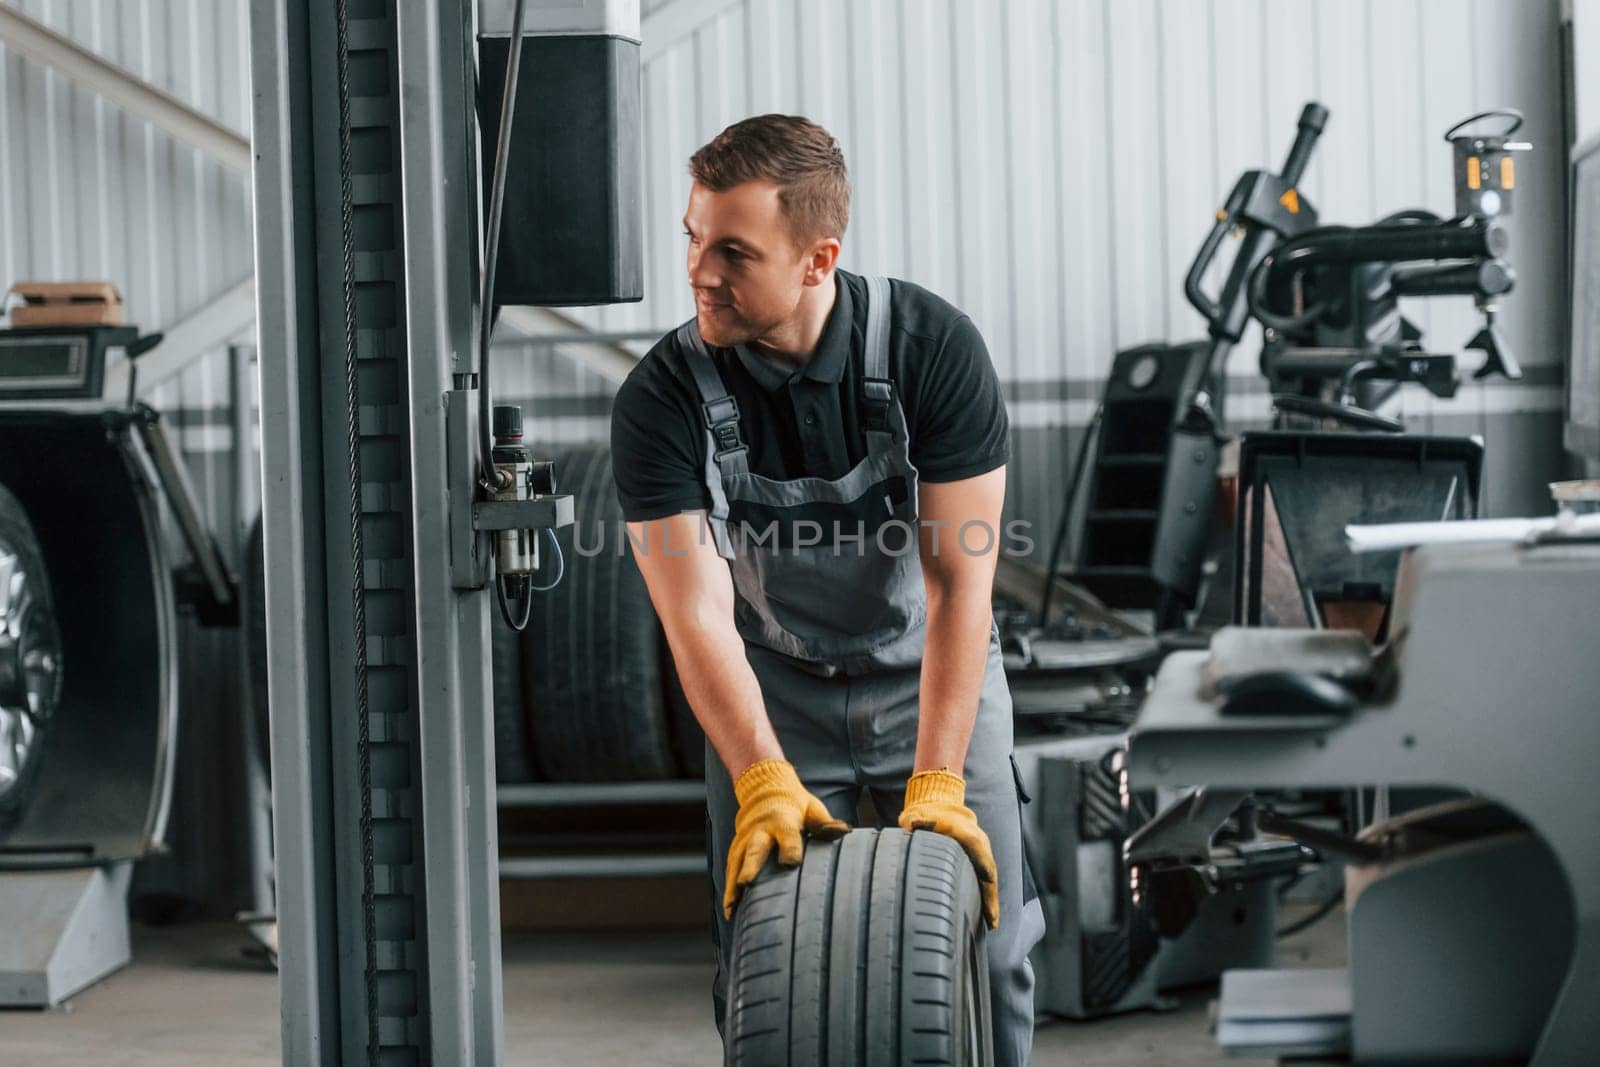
pixel 775 811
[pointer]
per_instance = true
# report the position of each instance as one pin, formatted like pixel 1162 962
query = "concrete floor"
pixel 191 999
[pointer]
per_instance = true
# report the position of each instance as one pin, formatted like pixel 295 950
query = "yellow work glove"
pixel 774 810
pixel 936 800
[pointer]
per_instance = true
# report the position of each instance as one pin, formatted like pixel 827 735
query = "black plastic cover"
pixel 571 233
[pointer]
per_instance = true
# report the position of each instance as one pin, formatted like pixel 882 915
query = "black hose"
pixel 1255 296
pixel 1413 234
pixel 497 195
pixel 524 594
pixel 1090 435
pixel 1322 911
pixel 1496 112
pixel 526 588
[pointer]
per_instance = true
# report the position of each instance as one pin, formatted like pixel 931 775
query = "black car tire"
pixel 592 652
pixel 870 952
pixel 513 762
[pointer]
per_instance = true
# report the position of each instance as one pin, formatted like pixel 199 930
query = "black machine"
pixel 1336 345
pixel 63 362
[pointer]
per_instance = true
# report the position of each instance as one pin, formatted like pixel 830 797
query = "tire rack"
pixel 611 863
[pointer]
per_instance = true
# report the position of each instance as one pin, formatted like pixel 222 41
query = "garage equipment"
pixel 93 475
pixel 1335 344
pixel 567 242
pixel 1298 490
pixel 1115 940
pixel 1485 172
pixel 1474 934
pixel 378 471
pixel 1265 209
pixel 1349 333
pixel 1128 442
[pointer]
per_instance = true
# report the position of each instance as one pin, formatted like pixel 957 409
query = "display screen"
pixel 45 362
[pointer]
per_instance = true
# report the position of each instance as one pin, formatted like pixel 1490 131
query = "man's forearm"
pixel 692 591
pixel 955 655
pixel 959 581
pixel 724 693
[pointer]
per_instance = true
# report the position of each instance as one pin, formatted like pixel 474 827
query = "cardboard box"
pixel 66 304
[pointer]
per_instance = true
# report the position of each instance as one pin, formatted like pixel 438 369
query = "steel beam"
pixel 291 465
pixel 460 848
pixel 383 765
pixel 132 94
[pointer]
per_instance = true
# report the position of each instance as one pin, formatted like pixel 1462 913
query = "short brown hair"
pixel 798 156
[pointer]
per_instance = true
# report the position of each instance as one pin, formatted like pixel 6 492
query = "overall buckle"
pixel 876 396
pixel 722 419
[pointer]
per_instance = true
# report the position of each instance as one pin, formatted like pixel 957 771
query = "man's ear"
pixel 821 260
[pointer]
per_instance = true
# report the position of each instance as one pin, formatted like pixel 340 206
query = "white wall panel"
pixel 1050 166
pixel 1047 165
pixel 88 192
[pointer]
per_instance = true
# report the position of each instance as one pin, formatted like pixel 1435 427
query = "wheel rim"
pixel 30 670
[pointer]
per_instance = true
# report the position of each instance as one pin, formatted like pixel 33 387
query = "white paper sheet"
pixel 1390 536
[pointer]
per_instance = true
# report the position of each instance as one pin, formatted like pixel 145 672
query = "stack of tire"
pixel 588 692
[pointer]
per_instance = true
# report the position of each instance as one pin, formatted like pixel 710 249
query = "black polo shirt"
pixel 803 421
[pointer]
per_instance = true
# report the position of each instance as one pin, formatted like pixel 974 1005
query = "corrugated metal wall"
pixel 1051 167
pixel 88 192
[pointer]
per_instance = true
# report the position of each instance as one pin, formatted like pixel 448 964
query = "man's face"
pixel 745 268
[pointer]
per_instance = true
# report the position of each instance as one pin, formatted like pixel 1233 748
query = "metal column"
pixel 366 189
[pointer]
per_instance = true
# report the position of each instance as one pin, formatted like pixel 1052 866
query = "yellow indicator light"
pixel 1291 200
pixel 1507 178
pixel 1473 178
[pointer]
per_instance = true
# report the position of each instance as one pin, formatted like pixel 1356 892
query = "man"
pixel 777 458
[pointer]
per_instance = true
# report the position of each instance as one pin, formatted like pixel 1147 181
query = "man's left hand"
pixel 936 800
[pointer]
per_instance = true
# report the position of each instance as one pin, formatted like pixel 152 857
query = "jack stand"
pixel 74 934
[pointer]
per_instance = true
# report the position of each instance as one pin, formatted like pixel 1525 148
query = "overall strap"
pixel 877 391
pixel 719 412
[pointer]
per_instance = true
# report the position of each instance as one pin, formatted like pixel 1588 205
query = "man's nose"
pixel 702 274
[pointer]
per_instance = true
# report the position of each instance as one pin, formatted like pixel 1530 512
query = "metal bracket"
pixel 542 512
pixel 1181 833
pixel 471 519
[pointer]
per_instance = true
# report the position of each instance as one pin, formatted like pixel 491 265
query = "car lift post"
pixel 384 815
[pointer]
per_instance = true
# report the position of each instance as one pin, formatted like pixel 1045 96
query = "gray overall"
pixel 835 636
